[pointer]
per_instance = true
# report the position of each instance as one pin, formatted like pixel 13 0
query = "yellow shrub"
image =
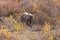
pixel 17 26
pixel 6 33
pixel 6 18
pixel 46 27
pixel 50 37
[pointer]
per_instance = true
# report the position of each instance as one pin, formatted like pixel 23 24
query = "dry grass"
pixel 19 32
pixel 46 11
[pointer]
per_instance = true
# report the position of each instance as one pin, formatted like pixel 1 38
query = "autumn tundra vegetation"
pixel 29 19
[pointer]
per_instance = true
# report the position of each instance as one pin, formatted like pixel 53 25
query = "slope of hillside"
pixel 45 26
